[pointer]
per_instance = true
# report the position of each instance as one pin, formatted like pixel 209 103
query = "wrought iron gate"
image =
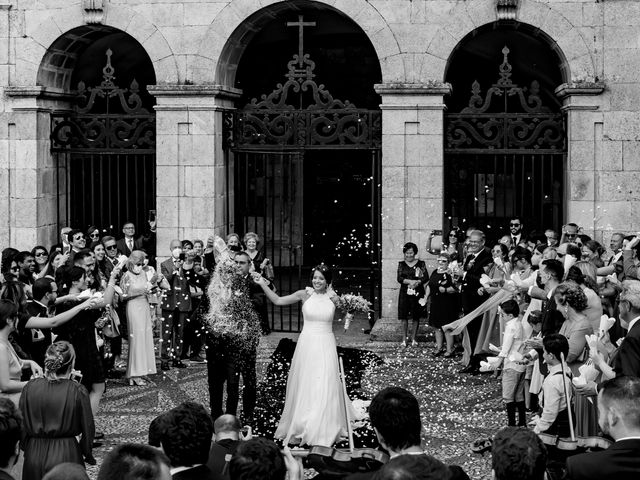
pixel 504 157
pixel 105 148
pixel 300 138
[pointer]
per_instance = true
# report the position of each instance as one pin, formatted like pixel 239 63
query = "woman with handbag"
pixel 135 288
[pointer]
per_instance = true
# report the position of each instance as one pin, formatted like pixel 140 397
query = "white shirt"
pixel 175 470
pixel 511 343
pixel 552 398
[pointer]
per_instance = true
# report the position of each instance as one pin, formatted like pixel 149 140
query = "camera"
pixel 437 232
pixel 182 257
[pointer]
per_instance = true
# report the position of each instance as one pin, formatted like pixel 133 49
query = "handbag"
pixel 111 328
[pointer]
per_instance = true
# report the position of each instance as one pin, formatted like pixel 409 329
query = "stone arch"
pixel 64 34
pixel 542 19
pixel 237 23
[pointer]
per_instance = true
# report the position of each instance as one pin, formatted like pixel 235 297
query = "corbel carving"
pixel 93 11
pixel 507 9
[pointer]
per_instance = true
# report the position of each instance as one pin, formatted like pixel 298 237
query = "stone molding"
pixel 93 11
pixel 219 91
pixel 582 89
pixel 507 9
pixel 30 97
pixel 430 88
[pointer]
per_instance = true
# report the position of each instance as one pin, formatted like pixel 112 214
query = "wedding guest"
pixel 186 439
pixel 11 366
pixel 227 438
pixel 135 288
pixel 67 471
pixel 93 234
pixel 518 453
pixel 619 417
pixel 56 259
pixel 630 260
pixel 412 277
pixel 56 412
pixel 452 244
pixel 515 231
pixel 584 274
pixel 130 461
pixel 552 237
pixel 512 370
pixel 77 242
pixel 569 233
pixel 10 435
pixel 99 267
pixel 128 243
pixel 445 304
pixel 41 256
pixel 592 251
pixel 257 459
pixel 35 340
pixel 261 265
pixel 572 303
pixel 233 242
pixel 413 467
pixel 554 419
pixel 627 360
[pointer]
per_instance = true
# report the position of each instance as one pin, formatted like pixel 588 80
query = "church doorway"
pixel 505 138
pixel 304 153
pixel 104 144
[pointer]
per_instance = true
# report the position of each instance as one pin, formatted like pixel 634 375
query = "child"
pixel 532 330
pixel 513 369
pixel 554 419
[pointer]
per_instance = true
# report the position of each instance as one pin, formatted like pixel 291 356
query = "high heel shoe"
pixel 137 381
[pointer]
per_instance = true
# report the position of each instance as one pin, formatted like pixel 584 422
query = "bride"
pixel 314 410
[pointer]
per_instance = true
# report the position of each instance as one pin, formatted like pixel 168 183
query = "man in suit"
pixel 226 361
pixel 618 417
pixel 515 232
pixel 176 305
pixel 627 360
pixel 228 435
pixel 129 243
pixel 10 432
pixel 478 257
pixel 185 437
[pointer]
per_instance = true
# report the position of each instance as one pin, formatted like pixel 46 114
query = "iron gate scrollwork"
pixel 106 145
pixel 317 120
pixel 504 157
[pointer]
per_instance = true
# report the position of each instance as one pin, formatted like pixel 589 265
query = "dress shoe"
pixel 164 366
pixel 179 364
pixel 96 444
pixel 197 359
pixel 470 369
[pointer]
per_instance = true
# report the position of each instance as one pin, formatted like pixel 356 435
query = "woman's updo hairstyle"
pixel 572 295
pixel 58 359
pixel 67 276
pixel 325 271
pixel 8 309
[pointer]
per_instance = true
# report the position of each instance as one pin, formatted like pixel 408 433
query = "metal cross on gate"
pixel 301 24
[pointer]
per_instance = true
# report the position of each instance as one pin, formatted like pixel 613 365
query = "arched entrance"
pixel 104 145
pixel 505 139
pixel 304 153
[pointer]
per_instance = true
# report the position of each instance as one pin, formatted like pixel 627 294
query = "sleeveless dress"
pixel 314 412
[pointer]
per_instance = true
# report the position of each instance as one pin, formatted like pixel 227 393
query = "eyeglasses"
pixel 110 247
pixel 94 235
pixel 452 234
pixel 15 269
pixel 443 261
pixel 80 237
pixel 571 235
pixel 41 254
pixel 514 224
pixel 129 228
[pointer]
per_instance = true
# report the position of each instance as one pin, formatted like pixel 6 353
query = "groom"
pixel 226 363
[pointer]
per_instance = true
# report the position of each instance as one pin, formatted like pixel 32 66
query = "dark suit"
pixel 225 363
pixel 201 472
pixel 124 248
pixel 219 457
pixel 620 461
pixel 474 268
pixel 35 341
pixel 552 319
pixel 627 360
pixel 175 304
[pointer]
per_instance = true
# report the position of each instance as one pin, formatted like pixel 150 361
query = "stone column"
pixel 412 182
pixel 28 173
pixel 588 155
pixel 190 164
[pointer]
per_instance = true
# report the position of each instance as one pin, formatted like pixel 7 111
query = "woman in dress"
pixel 81 331
pixel 58 424
pixel 445 303
pixel 412 276
pixel 260 265
pixel 314 410
pixel 11 365
pixel 572 302
pixel 136 287
pixel 584 274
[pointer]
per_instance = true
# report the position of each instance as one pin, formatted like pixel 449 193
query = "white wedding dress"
pixel 314 410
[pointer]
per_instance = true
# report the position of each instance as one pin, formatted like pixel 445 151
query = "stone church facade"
pixel 196 48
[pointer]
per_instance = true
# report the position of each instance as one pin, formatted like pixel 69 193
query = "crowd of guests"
pixel 65 311
pixel 553 315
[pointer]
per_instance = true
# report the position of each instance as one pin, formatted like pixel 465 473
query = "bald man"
pixel 227 437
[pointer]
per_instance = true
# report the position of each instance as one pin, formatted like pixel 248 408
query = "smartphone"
pixel 182 257
pixel 152 215
pixel 437 232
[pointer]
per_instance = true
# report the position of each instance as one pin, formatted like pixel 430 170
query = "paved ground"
pixel 456 409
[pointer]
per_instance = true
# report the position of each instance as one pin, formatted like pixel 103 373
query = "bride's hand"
pixel 259 279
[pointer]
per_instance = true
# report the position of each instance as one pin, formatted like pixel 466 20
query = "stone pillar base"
pixel 390 330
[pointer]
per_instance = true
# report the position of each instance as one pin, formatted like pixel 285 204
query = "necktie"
pixel 514 240
pixel 130 243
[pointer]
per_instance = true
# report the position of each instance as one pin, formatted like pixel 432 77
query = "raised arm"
pixel 53 322
pixel 295 297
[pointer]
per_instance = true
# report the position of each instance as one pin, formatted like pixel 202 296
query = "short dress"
pixel 408 306
pixel 445 306
pixel 80 332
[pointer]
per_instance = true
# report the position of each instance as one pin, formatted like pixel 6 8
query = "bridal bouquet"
pixel 351 304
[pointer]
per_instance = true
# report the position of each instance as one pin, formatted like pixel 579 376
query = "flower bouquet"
pixel 351 304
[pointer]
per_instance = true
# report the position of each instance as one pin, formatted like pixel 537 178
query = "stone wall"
pixel 196 45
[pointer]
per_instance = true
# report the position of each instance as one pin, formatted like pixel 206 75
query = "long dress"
pixel 54 412
pixel 314 410
pixel 445 306
pixel 15 370
pixel 408 306
pixel 142 359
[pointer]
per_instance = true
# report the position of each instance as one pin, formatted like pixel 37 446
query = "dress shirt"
pixel 511 343
pixel 552 398
pixel 516 239
pixel 175 470
pixel 632 323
